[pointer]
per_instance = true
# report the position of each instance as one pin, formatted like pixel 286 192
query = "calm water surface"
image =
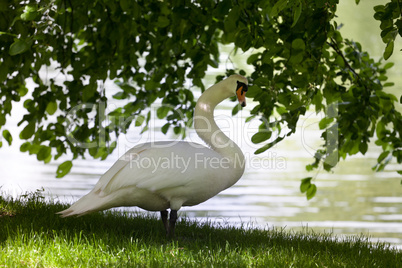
pixel 351 200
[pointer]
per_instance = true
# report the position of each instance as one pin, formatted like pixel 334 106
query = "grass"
pixel 31 235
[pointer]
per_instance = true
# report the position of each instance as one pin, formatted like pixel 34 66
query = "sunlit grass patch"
pixel 32 235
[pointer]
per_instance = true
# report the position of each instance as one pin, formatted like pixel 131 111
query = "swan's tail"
pixel 87 204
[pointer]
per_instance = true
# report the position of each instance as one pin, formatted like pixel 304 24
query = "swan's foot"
pixel 172 222
pixel 169 226
pixel 164 217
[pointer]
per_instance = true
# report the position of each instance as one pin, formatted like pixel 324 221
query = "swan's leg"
pixel 172 222
pixel 164 216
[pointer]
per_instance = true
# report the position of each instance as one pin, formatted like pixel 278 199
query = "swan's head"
pixel 241 88
pixel 234 85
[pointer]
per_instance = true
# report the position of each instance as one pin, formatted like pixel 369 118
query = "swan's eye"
pixel 242 87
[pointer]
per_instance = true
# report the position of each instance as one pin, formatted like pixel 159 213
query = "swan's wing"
pixel 156 169
pixel 117 166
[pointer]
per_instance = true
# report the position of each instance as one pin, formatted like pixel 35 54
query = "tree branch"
pixel 339 52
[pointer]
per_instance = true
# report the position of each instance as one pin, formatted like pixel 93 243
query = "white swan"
pixel 157 176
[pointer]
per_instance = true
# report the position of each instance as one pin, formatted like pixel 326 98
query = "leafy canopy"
pixel 151 48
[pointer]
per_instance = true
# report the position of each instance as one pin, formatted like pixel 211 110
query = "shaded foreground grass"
pixel 32 235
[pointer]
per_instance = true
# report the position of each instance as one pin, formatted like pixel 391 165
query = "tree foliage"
pixel 152 48
pixel 391 24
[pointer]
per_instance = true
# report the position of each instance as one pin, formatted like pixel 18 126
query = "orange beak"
pixel 241 93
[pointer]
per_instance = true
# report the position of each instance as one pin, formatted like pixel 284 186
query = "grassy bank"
pixel 32 235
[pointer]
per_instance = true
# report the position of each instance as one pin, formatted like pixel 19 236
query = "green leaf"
pixel 93 152
pixel 22 90
pixel 278 7
pixel 43 153
pixel 120 95
pixel 298 44
pixel 25 146
pixel 213 63
pixel 145 128
pixel 296 13
pixel 177 130
pixel 139 120
pixel 380 130
pixel 323 124
pixel 165 128
pixel 89 91
pixel 28 16
pixel 30 8
pixel 310 167
pixel 162 22
pixel 248 119
pixel 363 146
pixel 18 47
pixel 379 8
pixel 63 169
pixel 243 39
pixel 253 58
pixel 305 184
pixel 261 136
pixel 125 5
pixel 340 61
pixel 162 111
pixel 398 24
pixel 30 12
pixel 382 156
pixel 269 145
pixel 389 49
pixel 230 21
pixel 236 109
pixel 28 131
pixel 51 107
pixel 389 84
pixel 7 136
pixel 311 191
pixel 263 148
pixel 296 58
pixel 281 110
pixel 299 81
pixel 388 65
pixel 253 91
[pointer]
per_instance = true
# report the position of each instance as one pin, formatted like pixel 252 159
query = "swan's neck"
pixel 210 133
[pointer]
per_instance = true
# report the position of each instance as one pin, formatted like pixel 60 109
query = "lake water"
pixel 351 200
